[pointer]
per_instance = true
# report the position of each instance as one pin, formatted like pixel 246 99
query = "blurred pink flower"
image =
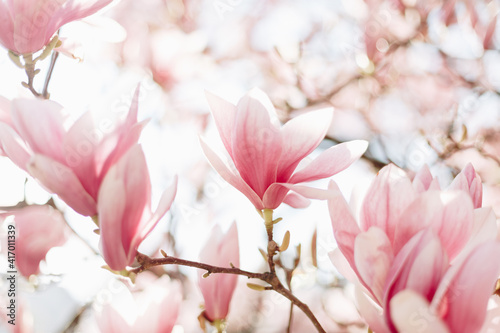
pixel 154 309
pixel 221 250
pixel 124 201
pixel 416 241
pixel 26 26
pixel 70 161
pixel 38 229
pixel 266 156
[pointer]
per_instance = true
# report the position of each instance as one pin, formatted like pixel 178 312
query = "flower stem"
pixel 53 59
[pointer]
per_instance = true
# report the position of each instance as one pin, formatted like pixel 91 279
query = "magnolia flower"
pixel 221 250
pixel 416 242
pixel 38 229
pixel 265 156
pixel 124 202
pixel 70 161
pixel 154 309
pixel 26 26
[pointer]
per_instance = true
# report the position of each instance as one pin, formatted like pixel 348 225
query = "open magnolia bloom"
pixel 69 160
pixel 265 155
pixel 26 26
pixel 418 253
pixel 38 229
pixel 124 207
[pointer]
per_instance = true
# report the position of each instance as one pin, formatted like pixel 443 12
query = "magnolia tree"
pixel 154 188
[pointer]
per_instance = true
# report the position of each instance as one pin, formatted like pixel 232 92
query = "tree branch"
pixel 270 277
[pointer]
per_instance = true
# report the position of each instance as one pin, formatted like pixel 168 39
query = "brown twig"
pixel 269 277
pixel 147 262
pixel 272 279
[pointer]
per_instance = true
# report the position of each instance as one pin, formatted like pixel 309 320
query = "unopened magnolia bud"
pixel 285 242
pixel 163 253
pixel 314 249
pixel 207 274
pixel 97 231
pixel 257 287
pixel 95 219
pixel 263 253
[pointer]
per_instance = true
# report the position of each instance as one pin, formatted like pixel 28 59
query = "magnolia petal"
pixel 371 312
pixel 43 133
pixel 5 116
pixel 229 176
pixel 6 27
pixel 79 151
pixel 256 143
pixel 345 227
pixel 125 135
pixel 301 135
pixel 132 171
pixel 31 222
pixel 111 209
pixel 59 179
pixel 470 182
pixel 388 196
pixel 342 265
pixel 467 288
pixel 373 257
pixel 277 192
pixel 411 314
pixel 14 147
pixel 224 114
pixel 331 161
pixel 110 320
pixel 114 146
pixel 424 181
pixel 419 266
pixel 296 200
pixel 164 205
pixel 449 214
pixel 484 227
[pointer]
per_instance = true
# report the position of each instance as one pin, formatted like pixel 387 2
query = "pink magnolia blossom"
pixel 265 156
pixel 70 161
pixel 416 242
pixel 124 202
pixel 26 26
pixel 38 229
pixel 154 309
pixel 220 250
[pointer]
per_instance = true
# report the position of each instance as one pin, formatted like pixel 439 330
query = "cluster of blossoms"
pixel 415 254
pixel 418 253
pixel 99 172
